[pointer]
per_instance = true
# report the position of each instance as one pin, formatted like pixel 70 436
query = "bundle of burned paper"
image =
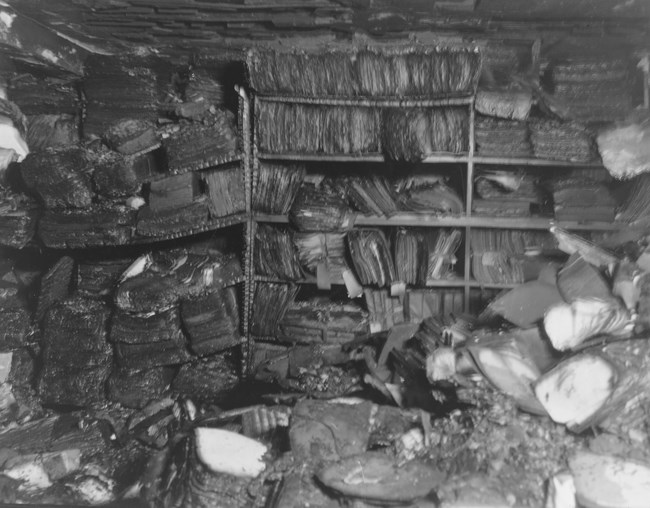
pixel 322 322
pixel 120 90
pixel 326 250
pixel 226 190
pixel 52 107
pixel 180 287
pixel 116 175
pixel 567 141
pixel 384 310
pixel 212 321
pixel 431 195
pixel 283 127
pixel 423 258
pixel 270 302
pixel 370 72
pixel 371 257
pixel 275 254
pixel 55 285
pixel 109 223
pixel 98 278
pixel 501 138
pixel 207 379
pixel 321 207
pixel 193 145
pixel 77 358
pixel 500 256
pixel 413 134
pixel 594 90
pixel 506 193
pixel 60 178
pixel 275 187
pixel 18 217
pixel 371 195
pixel 582 199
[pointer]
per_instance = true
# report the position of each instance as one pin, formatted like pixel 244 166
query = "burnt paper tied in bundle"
pixel 270 303
pixel 371 257
pixel 109 223
pixel 275 254
pixel 275 187
pixel 60 178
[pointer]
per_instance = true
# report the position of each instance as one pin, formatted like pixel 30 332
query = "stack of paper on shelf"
pixel 505 193
pixel 211 321
pixel 275 187
pixel 321 207
pixel 582 199
pixel 594 90
pixel 270 302
pixel 283 127
pixel 385 310
pixel 196 145
pixel 173 191
pixel 164 223
pixel 373 71
pixel 566 141
pixel 275 254
pixel 314 321
pixel 412 134
pixel 371 256
pixel 411 256
pixel 109 223
pixel 372 195
pixel 501 138
pixel 227 191
pixel 498 256
pixel 326 249
pixel 432 197
pixel 442 245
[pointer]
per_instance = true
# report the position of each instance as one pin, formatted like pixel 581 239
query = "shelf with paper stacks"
pixel 450 99
pixel 467 161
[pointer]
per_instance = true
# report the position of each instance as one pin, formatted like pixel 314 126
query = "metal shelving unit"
pixel 467 221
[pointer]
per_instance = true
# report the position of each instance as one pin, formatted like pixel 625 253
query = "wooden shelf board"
pixel 414 219
pixel 441 158
pixel 449 283
pixel 531 161
pixel 400 102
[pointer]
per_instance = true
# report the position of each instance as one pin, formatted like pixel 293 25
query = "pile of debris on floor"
pixel 541 401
